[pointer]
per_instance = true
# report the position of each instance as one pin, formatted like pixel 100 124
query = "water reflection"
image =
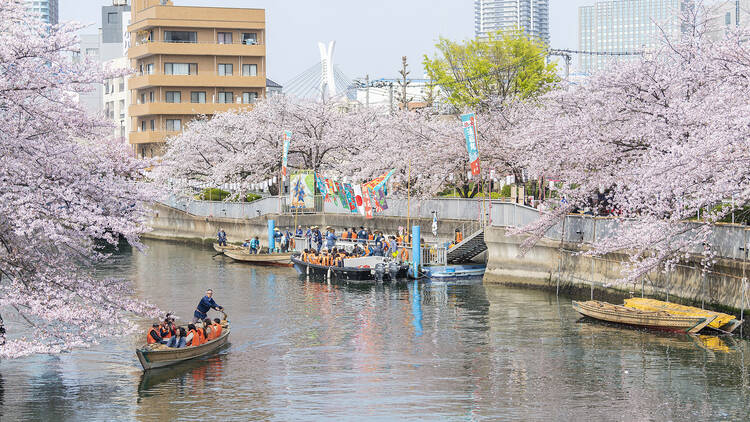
pixel 309 350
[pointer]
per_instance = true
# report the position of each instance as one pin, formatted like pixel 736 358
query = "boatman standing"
pixel 204 306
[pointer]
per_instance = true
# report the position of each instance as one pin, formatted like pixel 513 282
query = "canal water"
pixel 304 350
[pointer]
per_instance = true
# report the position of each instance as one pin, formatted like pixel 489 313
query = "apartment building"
pixel 190 61
pixel 48 10
pixel 531 16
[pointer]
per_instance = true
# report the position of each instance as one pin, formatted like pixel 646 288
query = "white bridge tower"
pixel 327 80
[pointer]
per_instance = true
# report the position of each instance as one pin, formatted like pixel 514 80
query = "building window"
pixel 226 98
pixel 249 70
pixel 143 125
pixel 121 84
pixel 143 98
pixel 150 69
pixel 181 36
pixel 153 124
pixel 249 38
pixel 198 97
pixel 151 97
pixel 728 18
pixel 173 96
pixel 249 97
pixel 180 68
pixel 224 37
pixel 173 125
pixel 112 18
pixel 225 69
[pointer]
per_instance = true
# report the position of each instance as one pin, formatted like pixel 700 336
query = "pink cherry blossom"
pixel 67 191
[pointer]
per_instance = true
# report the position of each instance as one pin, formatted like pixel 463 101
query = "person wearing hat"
pixel 317 238
pixel 246 244
pixel 330 238
pixel 277 237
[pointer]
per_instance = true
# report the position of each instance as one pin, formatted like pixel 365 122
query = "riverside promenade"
pixel 554 263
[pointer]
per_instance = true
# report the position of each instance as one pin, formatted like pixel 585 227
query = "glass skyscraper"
pixel 531 16
pixel 47 9
pixel 625 26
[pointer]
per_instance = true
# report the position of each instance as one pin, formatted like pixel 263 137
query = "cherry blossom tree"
pixel 244 147
pixel 67 192
pixel 666 137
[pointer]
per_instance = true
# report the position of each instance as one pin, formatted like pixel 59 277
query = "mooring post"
pixel 271 242
pixel 416 250
pixel 703 296
pixel 591 278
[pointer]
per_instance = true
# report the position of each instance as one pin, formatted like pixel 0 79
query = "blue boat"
pixel 442 272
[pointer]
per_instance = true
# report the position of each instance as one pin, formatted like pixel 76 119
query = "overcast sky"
pixel 371 36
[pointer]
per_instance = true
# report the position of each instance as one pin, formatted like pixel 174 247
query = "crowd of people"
pixel 200 331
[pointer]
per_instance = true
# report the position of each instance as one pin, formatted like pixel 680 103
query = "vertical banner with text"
pixel 469 124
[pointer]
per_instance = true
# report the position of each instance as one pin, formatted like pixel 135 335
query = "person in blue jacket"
pixel 277 236
pixel 330 238
pixel 222 235
pixel 362 235
pixel 255 245
pixel 206 304
pixel 317 238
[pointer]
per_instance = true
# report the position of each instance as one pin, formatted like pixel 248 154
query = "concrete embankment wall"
pixel 546 264
pixel 172 224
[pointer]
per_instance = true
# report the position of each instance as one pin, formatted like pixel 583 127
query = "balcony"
pixel 202 79
pixel 196 49
pixel 150 136
pixel 183 108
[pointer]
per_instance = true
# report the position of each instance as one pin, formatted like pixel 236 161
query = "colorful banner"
pixel 302 192
pixel 379 181
pixel 342 195
pixel 470 133
pixel 366 202
pixel 358 198
pixel 321 184
pixel 377 199
pixel 351 202
pixel 287 138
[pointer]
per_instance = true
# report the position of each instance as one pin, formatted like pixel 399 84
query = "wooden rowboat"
pixel 222 249
pixel 282 259
pixel 159 355
pixel 623 315
pixel 723 322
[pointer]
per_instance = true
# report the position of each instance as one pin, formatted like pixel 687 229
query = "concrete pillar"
pixel 416 249
pixel 271 242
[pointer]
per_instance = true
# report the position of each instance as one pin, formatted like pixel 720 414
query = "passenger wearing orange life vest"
pixel 208 328
pixel 192 336
pixel 218 327
pixel 153 335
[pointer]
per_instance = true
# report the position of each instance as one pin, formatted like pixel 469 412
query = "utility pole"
pixel 367 91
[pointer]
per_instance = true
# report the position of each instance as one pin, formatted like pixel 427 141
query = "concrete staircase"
pixel 470 247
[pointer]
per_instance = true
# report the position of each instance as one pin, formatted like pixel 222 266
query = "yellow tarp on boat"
pixel 674 308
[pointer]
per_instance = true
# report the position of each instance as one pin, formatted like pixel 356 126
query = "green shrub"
pixel 213 194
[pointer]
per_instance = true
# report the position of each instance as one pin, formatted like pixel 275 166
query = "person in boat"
pixel 222 235
pixel 218 327
pixel 208 329
pixel 166 329
pixel 379 236
pixel 206 303
pixel 345 234
pixel 246 244
pixel 362 235
pixel 288 242
pixel 153 336
pixel 190 334
pixel 178 340
pixel 356 251
pixel 303 256
pixel 330 238
pixel 353 233
pixel 277 237
pixel 254 245
pixel 377 249
pixel 393 246
pixel 318 239
pixel 299 232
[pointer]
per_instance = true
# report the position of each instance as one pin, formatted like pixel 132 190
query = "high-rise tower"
pixel 530 16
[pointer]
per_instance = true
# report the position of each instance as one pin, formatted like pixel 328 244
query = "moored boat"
pixel 364 273
pixel 222 249
pixel 261 258
pixel 159 355
pixel 623 315
pixel 723 322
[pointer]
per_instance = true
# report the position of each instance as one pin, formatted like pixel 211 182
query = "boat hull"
pixel 159 358
pixel 622 315
pixel 222 249
pixel 346 274
pixel 279 259
pixel 448 272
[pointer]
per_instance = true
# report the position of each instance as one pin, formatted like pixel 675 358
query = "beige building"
pixel 190 61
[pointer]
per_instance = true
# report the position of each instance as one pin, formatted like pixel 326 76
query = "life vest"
pixel 345 235
pixel 199 338
pixel 354 235
pixel 195 340
pixel 210 333
pixel 400 240
pixel 459 237
pixel 150 338
pixel 385 246
pixel 217 328
pixel 370 236
pixel 164 332
pixel 303 257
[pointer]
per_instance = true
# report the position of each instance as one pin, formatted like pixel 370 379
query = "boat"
pixel 159 355
pixel 260 258
pixel 355 270
pixel 222 249
pixel 453 271
pixel 661 320
pixel 723 322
